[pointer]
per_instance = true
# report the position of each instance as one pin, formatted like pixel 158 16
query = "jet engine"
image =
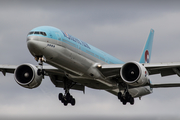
pixel 26 75
pixel 134 73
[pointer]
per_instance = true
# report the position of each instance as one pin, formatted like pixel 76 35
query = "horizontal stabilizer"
pixel 165 85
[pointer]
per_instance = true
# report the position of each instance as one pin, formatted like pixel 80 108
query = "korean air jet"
pixel 75 64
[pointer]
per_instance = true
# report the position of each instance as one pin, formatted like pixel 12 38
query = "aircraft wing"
pixel 165 69
pixel 56 75
pixel 11 68
pixel 108 70
pixel 7 69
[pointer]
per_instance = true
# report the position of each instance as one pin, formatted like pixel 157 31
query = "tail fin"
pixel 146 54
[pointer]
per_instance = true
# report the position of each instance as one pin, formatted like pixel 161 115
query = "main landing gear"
pixel 67 97
pixel 126 97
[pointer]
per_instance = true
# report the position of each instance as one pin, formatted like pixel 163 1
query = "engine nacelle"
pixel 27 76
pixel 134 73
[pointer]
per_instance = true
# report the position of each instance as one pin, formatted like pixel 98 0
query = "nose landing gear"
pixel 40 71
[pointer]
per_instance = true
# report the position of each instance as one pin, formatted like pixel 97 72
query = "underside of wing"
pixel 165 85
pixel 58 78
pixel 165 69
pixel 7 69
pixel 58 81
pixel 111 70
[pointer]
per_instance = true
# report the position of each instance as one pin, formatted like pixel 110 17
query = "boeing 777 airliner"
pixel 75 64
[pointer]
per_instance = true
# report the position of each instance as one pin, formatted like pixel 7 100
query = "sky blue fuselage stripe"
pixel 79 44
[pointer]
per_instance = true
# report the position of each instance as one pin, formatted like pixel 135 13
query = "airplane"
pixel 75 64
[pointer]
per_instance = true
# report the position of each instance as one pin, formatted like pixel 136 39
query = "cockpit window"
pixel 30 33
pixel 43 33
pixel 37 32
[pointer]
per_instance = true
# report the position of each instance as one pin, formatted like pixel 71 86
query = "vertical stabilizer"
pixel 146 54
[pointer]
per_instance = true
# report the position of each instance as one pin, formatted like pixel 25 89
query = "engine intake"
pixel 130 72
pixel 26 75
pixel 134 73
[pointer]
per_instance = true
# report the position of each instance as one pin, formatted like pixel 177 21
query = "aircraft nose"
pixel 34 45
pixel 32 38
pixel 31 42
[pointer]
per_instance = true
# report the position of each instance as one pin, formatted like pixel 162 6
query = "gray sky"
pixel 119 28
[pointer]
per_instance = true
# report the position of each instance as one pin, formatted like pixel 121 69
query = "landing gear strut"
pixel 125 98
pixel 67 97
pixel 40 70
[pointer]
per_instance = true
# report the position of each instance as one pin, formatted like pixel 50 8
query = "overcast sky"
pixel 119 28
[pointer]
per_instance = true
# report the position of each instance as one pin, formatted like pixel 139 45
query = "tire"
pixel 73 101
pixel 120 96
pixel 132 101
pixel 124 102
pixel 128 96
pixel 69 98
pixel 60 96
pixel 65 103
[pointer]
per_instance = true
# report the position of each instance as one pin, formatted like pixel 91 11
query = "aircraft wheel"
pixel 63 100
pixel 60 96
pixel 73 101
pixel 69 97
pixel 65 103
pixel 132 101
pixel 128 97
pixel 124 102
